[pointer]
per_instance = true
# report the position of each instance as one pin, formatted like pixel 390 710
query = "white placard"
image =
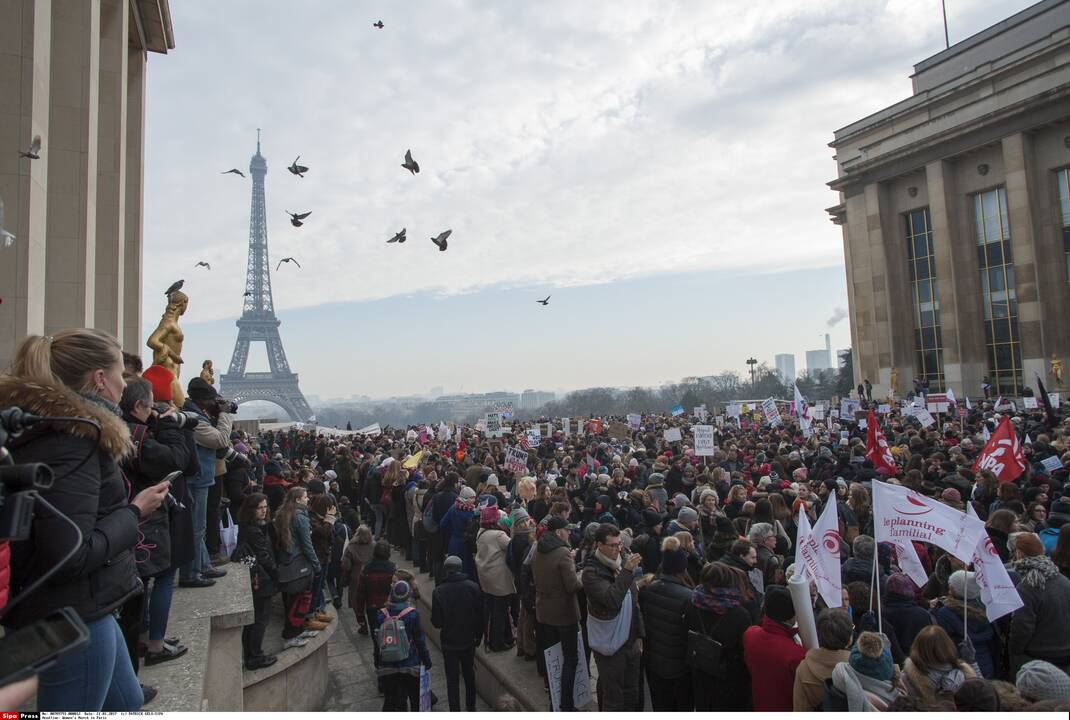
pixel 924 417
pixel 581 690
pixel 635 420
pixel 884 409
pixel 1030 403
pixel 673 435
pixel 1051 464
pixel 533 437
pixel 516 459
pixel 772 415
pixel 704 442
pixel 564 427
pixel 817 412
pixel 493 424
pixel 1053 398
pixel 734 411
pixel 862 423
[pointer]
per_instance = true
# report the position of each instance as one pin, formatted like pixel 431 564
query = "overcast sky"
pixel 658 167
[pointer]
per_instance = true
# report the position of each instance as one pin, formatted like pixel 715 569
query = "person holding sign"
pixel 556 606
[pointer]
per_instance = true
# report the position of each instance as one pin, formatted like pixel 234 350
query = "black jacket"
pixel 160 448
pixel 253 541
pixel 730 690
pixel 457 610
pixel 101 574
pixel 907 617
pixel 664 603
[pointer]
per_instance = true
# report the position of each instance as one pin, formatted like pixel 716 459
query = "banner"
pixel 1002 453
pixel 818 553
pixel 997 591
pixel 772 415
pixel 493 424
pixel 634 421
pixel 673 435
pixel 516 459
pixel 704 442
pixel 372 430
pixel 677 410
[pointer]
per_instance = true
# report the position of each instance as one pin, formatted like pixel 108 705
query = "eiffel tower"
pixel 258 322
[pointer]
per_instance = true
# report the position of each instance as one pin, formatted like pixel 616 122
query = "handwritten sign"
pixel 673 435
pixel 734 411
pixel 493 424
pixel 772 415
pixel 516 459
pixel 581 688
pixel 924 417
pixel 1051 464
pixel 533 437
pixel 634 421
pixel 1030 403
pixel 704 442
pixel 619 430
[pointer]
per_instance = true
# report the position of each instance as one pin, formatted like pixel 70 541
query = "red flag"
pixel 1002 454
pixel 877 450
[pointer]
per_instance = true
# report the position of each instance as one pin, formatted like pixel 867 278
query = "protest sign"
pixel 1030 403
pixel 619 430
pixel 701 413
pixel 863 423
pixel 677 410
pixel 503 407
pixel 564 427
pixel 481 424
pixel 704 443
pixel 848 407
pixel 673 435
pixel 1051 464
pixel 733 411
pixel 924 417
pixel 936 402
pixel 533 437
pixel 1053 398
pixel 769 409
pixel 547 429
pixel 634 421
pixel 581 689
pixel 372 430
pixel 884 409
pixel 493 424
pixel 817 412
pixel 516 459
pixel 425 689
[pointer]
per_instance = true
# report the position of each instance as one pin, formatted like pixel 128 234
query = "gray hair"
pixel 863 547
pixel 759 532
pixel 137 390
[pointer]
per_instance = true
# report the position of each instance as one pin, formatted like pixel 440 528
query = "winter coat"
pixel 418 654
pixel 373 585
pixel 810 677
pixel 607 590
pixel 209 438
pixel 732 690
pixel 160 448
pixel 452 525
pixel 1040 629
pixel 494 575
pixel 772 655
pixel 457 611
pixel 101 575
pixel 301 537
pixel 322 539
pixel 556 582
pixel 985 641
pixel 253 541
pixel 354 558
pixel 907 617
pixel 664 602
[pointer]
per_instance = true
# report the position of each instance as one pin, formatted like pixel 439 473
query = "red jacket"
pixel 771 655
pixel 5 572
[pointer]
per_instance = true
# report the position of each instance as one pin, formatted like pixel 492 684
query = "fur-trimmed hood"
pixel 61 401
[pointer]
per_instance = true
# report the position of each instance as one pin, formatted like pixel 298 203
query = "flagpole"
pixel 876 578
pixel 947 40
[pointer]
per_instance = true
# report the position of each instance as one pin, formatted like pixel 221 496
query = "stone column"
pixel 133 210
pixel 898 296
pixel 1016 149
pixel 878 371
pixel 71 154
pixel 25 69
pixel 111 167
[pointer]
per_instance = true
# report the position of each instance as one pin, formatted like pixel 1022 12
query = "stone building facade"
pixel 955 211
pixel 73 72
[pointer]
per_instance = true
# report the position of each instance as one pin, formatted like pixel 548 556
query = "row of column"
pixel 67 73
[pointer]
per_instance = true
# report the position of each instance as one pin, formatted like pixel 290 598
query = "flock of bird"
pixel 33 152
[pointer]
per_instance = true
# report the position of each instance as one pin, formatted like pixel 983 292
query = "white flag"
pixel 1028 440
pixel 901 516
pixel 950 395
pixel 818 553
pixel 968 405
pixel 997 591
pixel 985 434
pixel 803 411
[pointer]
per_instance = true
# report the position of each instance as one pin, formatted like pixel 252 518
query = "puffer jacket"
pixel 607 590
pixel 101 575
pixel 664 603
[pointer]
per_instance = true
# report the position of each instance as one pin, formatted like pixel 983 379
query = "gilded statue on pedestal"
pixel 893 383
pixel 1057 369
pixel 207 373
pixel 166 341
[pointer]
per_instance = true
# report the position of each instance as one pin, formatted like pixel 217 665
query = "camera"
pixel 228 406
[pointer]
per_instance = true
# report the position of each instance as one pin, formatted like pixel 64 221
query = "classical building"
pixel 955 208
pixel 73 72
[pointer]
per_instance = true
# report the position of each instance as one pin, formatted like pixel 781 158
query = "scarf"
pixel 1036 570
pixel 945 679
pixel 103 402
pixel 464 505
pixel 612 564
pixel 717 600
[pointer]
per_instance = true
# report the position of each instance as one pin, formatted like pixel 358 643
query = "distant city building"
pixel 820 359
pixel 785 366
pixel 955 210
pixel 436 391
pixel 532 399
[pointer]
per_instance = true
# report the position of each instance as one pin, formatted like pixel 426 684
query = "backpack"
pixel 393 637
pixel 471 534
pixel 430 526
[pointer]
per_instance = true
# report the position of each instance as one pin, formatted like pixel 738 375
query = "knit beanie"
pixel 1040 680
pixel 900 585
pixel 651 517
pixel 160 378
pixel 400 592
pixel 489 516
pixel 778 605
pixel 674 562
pixel 963 584
pixel 453 564
pixel 977 695
pixel 870 657
pixel 467 493
pixel 687 516
pixel 519 515
pixel 680 500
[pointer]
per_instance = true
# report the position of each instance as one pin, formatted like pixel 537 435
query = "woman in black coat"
pixel 78 373
pixel 716 610
pixel 254 549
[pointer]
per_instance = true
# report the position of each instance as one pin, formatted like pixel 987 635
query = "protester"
pixel 495 580
pixel 1040 629
pixel 293 548
pixel 964 598
pixel 835 632
pixel 664 603
pixel 457 610
pixel 556 608
pixel 868 680
pixel 253 542
pixel 933 673
pixel 400 675
pixel 357 554
pixel 717 610
pixel 772 655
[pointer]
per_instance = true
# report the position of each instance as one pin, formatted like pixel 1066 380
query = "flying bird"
pixel 298 170
pixel 233 171
pixel 441 240
pixel 203 264
pixel 378 24
pixel 6 238
pixel 287 260
pixel 175 287
pixel 296 218
pixel 399 237
pixel 34 151
pixel 544 302
pixel 410 164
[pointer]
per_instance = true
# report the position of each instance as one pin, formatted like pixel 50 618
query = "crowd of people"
pixel 667 569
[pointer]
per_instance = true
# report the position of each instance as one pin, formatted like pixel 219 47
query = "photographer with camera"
pixel 77 375
pixel 163 444
pixel 212 433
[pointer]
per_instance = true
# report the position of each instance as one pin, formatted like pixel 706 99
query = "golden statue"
pixel 166 342
pixel 207 374
pixel 893 383
pixel 1057 369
